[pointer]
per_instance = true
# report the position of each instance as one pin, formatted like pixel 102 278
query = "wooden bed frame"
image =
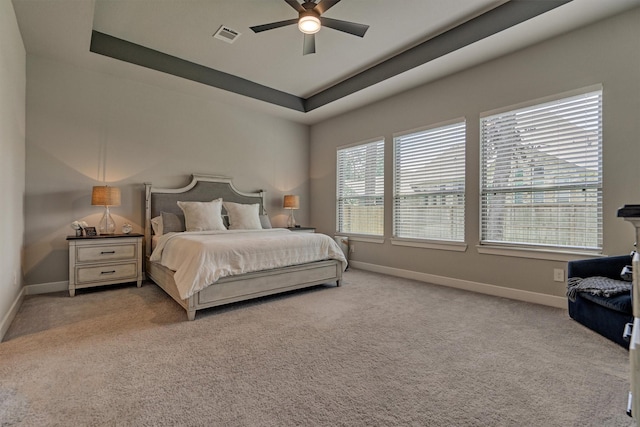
pixel 228 289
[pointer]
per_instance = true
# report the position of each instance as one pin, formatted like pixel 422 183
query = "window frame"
pixel 429 134
pixel 538 249
pixel 380 197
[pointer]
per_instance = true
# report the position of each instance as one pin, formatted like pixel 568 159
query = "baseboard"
pixel 42 288
pixel 11 314
pixel 45 288
pixel 483 288
pixel 467 285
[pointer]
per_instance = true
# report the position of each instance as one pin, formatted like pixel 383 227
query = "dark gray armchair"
pixel 607 316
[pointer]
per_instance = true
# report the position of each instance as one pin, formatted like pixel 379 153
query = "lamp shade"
pixel 105 196
pixel 291 201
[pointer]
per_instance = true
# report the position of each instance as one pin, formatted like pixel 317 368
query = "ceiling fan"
pixel 310 21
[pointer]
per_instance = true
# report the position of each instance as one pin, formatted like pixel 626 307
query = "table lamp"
pixel 106 196
pixel 291 202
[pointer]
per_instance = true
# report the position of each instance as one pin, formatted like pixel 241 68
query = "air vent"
pixel 226 34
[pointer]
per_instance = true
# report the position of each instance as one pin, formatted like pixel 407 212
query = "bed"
pixel 235 283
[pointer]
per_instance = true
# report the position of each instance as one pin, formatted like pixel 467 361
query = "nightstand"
pixel 303 229
pixel 104 260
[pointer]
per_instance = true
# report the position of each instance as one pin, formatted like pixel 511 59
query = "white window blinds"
pixel 542 174
pixel 360 192
pixel 429 186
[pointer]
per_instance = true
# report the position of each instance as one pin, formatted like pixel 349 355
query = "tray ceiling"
pixel 409 42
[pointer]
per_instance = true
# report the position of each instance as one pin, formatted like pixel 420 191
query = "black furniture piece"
pixel 607 316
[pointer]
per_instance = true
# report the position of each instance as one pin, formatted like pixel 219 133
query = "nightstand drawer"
pixel 107 273
pixel 104 253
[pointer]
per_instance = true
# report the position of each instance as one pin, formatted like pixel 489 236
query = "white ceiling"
pixel 61 30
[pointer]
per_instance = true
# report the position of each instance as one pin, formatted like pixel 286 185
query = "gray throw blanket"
pixel 596 286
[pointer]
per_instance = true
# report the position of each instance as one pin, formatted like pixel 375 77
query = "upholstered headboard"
pixel 202 188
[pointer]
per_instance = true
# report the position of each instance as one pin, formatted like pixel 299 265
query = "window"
pixel 360 191
pixel 542 174
pixel 429 184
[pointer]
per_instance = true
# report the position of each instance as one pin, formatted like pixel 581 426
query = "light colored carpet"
pixel 378 351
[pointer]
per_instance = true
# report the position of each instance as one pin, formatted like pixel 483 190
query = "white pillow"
pixel 243 217
pixel 156 225
pixel 202 216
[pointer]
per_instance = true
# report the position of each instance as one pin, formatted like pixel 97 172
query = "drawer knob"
pixel 107 252
pixel 108 272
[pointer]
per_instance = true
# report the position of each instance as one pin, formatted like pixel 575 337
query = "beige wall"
pixel 606 53
pixel 82 123
pixel 12 161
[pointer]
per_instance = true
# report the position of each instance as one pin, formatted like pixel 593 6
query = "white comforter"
pixel 201 258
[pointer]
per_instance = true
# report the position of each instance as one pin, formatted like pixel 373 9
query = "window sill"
pixel 533 253
pixel 430 244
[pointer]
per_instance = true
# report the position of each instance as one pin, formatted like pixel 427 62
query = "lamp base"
pixel 107 225
pixel 291 222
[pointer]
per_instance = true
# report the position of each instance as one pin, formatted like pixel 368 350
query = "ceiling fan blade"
pixel 297 6
pixel 325 5
pixel 309 44
pixel 273 25
pixel 345 26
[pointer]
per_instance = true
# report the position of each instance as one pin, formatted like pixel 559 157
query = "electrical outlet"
pixel 558 275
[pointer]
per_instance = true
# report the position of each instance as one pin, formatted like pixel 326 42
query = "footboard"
pixel 248 286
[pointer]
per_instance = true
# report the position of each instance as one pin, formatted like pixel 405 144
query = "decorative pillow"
pixel 172 222
pixel 243 217
pixel 265 222
pixel 202 216
pixel 156 225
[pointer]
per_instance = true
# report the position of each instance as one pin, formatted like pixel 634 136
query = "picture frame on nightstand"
pixel 90 231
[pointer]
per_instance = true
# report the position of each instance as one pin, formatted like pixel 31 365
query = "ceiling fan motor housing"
pixel 309 5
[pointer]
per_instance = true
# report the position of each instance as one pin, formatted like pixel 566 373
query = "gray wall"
pixel 606 53
pixel 83 125
pixel 12 160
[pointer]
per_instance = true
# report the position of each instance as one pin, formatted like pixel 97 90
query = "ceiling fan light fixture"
pixel 310 21
pixel 309 24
